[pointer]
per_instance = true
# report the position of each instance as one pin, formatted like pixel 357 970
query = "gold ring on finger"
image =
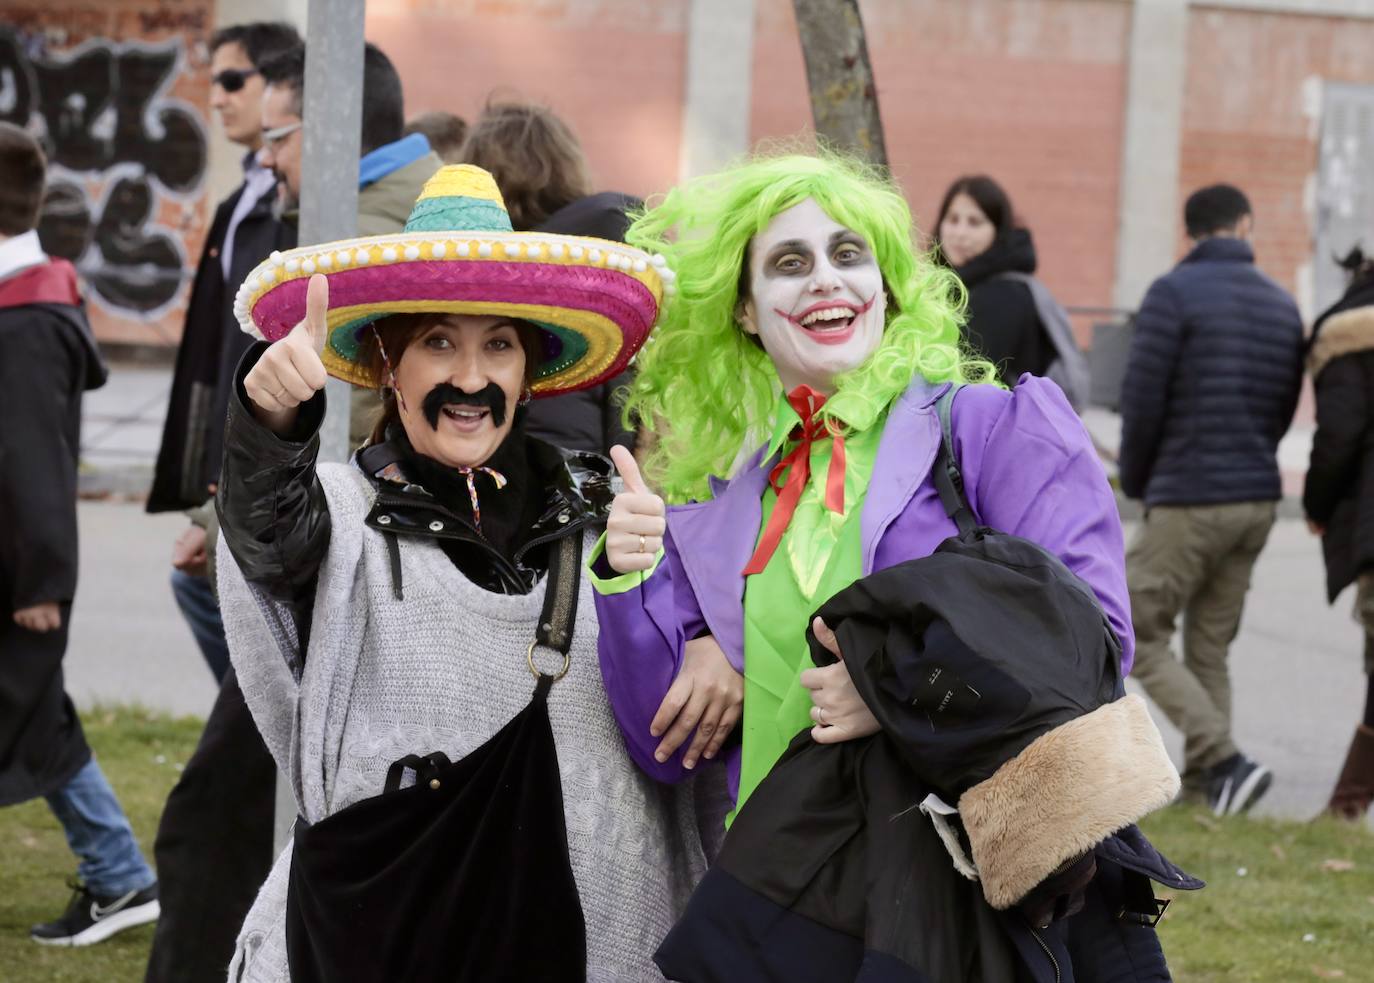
pixel 642 548
pixel 820 716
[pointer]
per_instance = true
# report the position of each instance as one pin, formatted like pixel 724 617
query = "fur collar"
pixel 1069 790
pixel 1342 334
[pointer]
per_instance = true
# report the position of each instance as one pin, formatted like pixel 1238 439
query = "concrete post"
pixel 329 200
pixel 720 58
pixel 1148 223
pixel 329 178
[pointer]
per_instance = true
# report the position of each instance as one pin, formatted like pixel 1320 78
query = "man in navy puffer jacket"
pixel 1211 385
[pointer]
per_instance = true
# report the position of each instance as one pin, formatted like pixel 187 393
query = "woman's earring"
pixel 525 398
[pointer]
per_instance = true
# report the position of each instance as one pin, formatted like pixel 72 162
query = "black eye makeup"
pixel 847 246
pixel 788 258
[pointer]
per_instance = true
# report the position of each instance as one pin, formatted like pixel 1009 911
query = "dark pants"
pixel 214 845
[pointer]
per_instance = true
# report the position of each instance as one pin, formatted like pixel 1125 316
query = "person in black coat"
pixel 1211 384
pixel 979 238
pixel 242 233
pixel 216 826
pixel 48 359
pixel 1339 495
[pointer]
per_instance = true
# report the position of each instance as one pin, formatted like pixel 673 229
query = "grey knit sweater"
pixel 444 669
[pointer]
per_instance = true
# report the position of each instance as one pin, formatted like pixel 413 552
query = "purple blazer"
pixel 1029 469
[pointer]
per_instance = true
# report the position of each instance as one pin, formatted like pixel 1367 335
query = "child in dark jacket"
pixel 48 358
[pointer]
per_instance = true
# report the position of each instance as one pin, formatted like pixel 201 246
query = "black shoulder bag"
pixel 463 876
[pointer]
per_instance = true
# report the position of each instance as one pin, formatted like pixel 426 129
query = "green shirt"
pixel 819 555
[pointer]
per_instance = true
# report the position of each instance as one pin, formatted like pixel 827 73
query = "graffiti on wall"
pixel 118 148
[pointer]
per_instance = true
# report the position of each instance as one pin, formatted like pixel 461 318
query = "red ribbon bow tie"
pixel 796 465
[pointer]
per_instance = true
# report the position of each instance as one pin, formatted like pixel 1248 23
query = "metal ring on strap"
pixel 539 673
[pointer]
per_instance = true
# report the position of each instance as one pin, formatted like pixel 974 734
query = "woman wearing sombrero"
pixel 390 618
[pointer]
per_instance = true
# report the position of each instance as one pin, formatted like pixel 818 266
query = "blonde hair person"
pixel 392 614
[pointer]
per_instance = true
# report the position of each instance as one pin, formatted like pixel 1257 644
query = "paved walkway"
pixel 1298 682
pixel 129 643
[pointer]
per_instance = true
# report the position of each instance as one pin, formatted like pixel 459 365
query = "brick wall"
pixel 1030 93
pixel 613 69
pixel 1248 118
pixel 120 90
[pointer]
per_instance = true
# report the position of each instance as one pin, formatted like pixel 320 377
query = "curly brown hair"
pixel 534 157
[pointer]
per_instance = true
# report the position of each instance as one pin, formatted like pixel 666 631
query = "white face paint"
pixel 816 297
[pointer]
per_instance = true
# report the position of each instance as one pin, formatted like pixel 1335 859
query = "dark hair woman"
pixel 980 238
pixel 386 616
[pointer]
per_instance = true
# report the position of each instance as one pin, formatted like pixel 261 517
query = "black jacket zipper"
pixel 1050 955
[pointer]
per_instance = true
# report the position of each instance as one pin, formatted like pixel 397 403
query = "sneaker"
pixel 92 918
pixel 1236 784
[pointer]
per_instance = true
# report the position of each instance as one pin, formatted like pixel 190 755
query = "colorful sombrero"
pixel 594 300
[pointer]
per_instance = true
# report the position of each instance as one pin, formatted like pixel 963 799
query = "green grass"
pixel 139 753
pixel 1284 901
pixel 1300 880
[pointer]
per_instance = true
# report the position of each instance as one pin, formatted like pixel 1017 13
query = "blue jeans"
pixel 98 832
pixel 196 599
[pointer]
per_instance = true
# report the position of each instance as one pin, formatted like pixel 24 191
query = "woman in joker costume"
pixel 801 362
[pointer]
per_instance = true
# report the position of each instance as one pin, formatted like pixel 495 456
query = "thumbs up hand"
pixel 634 530
pixel 290 372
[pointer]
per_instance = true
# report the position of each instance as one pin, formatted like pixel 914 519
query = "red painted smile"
pixel 829 322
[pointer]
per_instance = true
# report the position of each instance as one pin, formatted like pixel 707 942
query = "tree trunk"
pixel 844 100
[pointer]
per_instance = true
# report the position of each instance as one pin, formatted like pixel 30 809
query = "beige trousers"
pixel 1193 560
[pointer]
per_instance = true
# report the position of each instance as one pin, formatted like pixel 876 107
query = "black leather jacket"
pixel 275 519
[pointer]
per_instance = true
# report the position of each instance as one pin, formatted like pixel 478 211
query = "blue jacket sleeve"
pixel 1145 389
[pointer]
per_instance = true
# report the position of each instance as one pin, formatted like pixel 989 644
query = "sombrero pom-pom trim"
pixel 613 309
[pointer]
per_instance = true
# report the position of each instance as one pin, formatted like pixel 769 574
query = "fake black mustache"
pixel 492 397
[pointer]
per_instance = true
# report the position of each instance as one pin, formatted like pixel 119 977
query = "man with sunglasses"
pixel 203 907
pixel 243 231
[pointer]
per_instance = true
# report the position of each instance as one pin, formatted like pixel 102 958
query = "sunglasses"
pixel 271 138
pixel 233 79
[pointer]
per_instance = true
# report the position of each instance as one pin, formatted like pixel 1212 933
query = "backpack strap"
pixel 949 481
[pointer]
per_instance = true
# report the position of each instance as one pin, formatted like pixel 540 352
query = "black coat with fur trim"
pixel 995 677
pixel 1339 493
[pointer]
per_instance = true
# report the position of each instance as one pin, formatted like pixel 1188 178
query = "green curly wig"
pixel 704 389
